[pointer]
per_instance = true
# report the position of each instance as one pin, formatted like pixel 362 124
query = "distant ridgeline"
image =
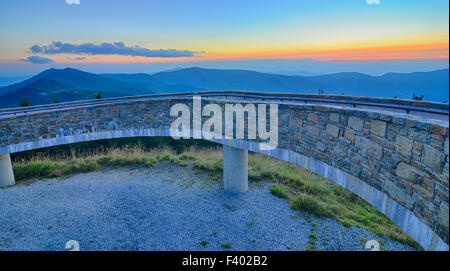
pixel 63 85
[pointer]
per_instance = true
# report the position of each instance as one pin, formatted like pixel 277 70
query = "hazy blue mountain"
pixel 17 86
pixel 5 81
pixel 301 73
pixel 213 79
pixel 67 85
pixel 136 78
pixel 78 80
pixel 70 84
pixel 147 81
pixel 44 91
pixel 171 70
pixel 433 85
pixel 351 83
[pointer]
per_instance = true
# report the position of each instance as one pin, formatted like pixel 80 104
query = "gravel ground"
pixel 166 207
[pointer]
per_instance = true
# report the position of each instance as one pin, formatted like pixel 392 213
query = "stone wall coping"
pixel 393 117
pixel 349 98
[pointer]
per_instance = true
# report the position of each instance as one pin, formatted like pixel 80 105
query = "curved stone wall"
pixel 396 162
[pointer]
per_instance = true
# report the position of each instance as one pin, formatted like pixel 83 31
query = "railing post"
pixel 6 171
pixel 235 169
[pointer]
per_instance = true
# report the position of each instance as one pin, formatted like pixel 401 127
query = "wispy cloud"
pixel 73 2
pixel 106 48
pixel 373 2
pixel 37 60
pixel 79 58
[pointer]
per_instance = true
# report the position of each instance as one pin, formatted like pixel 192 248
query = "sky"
pixel 320 36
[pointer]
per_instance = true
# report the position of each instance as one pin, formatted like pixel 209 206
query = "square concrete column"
pixel 6 171
pixel 235 169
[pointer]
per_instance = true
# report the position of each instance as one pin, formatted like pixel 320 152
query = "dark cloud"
pixel 37 60
pixel 105 48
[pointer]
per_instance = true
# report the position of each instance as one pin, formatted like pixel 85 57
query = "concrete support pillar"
pixel 235 169
pixel 6 171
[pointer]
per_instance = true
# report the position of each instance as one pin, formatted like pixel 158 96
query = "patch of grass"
pixel 279 191
pixel 188 184
pixel 363 241
pixel 311 246
pixel 52 167
pixel 313 236
pixel 170 181
pixel 204 243
pixel 311 205
pixel 226 245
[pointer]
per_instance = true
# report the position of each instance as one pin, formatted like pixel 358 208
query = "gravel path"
pixel 166 207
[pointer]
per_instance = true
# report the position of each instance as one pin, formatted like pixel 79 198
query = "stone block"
pixel 398 194
pixel 442 222
pixel 321 147
pixel 334 117
pixel 356 123
pixel 313 130
pixel 403 145
pixel 332 130
pixel 446 170
pixel 439 130
pixel 340 150
pixel 409 174
pixel 446 146
pixel 378 128
pixel 374 150
pixel 443 214
pixel 349 134
pixel 361 143
pixel 313 117
pixel 414 178
pixel 433 158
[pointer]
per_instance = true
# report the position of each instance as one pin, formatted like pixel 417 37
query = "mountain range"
pixel 5 81
pixel 71 84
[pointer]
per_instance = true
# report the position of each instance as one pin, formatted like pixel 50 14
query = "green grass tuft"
pixel 226 245
pixel 311 205
pixel 279 191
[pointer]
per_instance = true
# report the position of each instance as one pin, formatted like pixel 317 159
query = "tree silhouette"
pixel 417 98
pixel 56 100
pixel 98 95
pixel 25 102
